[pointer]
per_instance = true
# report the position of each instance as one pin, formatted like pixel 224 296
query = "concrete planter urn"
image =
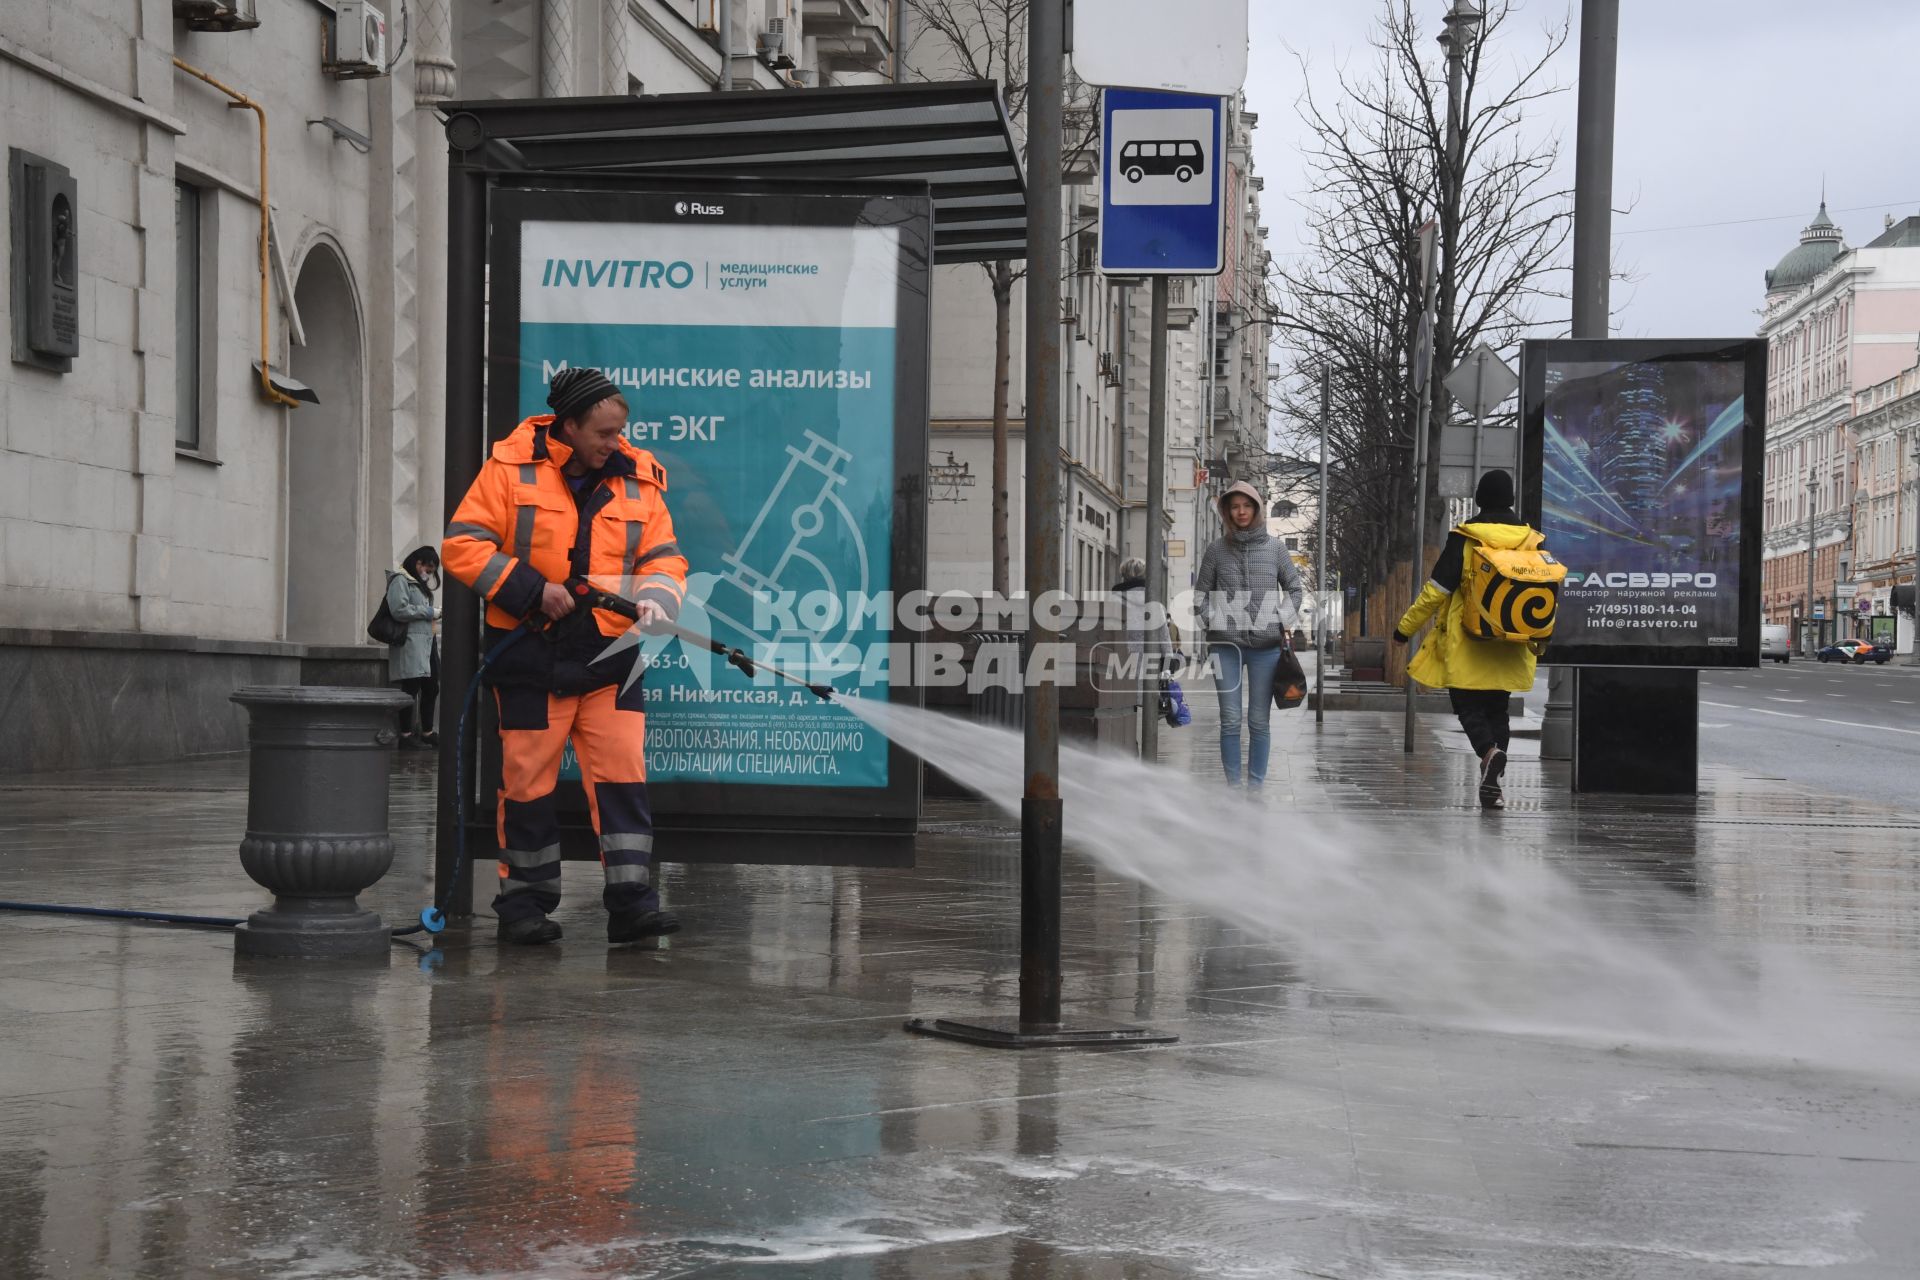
pixel 317 817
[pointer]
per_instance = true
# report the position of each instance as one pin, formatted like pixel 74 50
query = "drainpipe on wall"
pixel 242 102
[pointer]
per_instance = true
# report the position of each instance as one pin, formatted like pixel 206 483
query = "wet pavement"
pixel 743 1101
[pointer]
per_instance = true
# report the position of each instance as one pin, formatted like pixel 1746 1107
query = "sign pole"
pixel 1040 806
pixel 1479 418
pixel 1041 810
pixel 1156 556
pixel 1592 265
pixel 1320 565
pixel 1422 368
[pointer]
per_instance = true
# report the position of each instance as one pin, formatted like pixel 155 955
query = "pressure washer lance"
pixel 594 598
pixel 434 919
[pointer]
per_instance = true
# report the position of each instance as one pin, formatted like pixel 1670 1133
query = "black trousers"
pixel 1483 714
pixel 426 692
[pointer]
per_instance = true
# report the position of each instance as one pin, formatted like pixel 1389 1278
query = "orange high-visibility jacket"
pixel 518 529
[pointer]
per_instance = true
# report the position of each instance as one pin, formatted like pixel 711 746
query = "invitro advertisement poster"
pixel 758 345
pixel 1645 464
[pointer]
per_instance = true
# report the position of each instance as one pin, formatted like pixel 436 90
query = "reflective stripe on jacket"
pixel 1449 658
pixel 519 528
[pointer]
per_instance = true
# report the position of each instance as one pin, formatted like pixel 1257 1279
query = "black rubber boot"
pixel 637 926
pixel 529 931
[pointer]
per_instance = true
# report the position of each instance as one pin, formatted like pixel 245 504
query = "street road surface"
pixel 1846 730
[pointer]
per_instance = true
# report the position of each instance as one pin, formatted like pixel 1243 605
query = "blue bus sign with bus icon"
pixel 1182 159
pixel 1162 210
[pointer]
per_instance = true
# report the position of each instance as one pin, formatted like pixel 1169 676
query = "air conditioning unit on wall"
pixel 357 41
pixel 217 15
pixel 773 45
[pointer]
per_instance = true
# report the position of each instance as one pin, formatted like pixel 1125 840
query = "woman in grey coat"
pixel 1249 595
pixel 414 663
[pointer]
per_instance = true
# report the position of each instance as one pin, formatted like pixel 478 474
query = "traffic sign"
pixel 1499 446
pixel 1161 209
pixel 1423 351
pixel 1143 44
pixel 1482 381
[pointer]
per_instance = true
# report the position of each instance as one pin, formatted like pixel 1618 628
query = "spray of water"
pixel 1436 916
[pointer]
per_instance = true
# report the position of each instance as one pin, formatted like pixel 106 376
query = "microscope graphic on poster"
pixel 786 564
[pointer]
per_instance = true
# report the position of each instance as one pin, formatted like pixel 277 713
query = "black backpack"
pixel 385 628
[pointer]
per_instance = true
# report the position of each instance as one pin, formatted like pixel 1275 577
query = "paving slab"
pixel 743 1101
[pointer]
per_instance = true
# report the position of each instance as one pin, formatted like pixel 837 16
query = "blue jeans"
pixel 1245 674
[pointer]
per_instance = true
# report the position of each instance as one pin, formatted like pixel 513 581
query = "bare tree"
pixel 1379 167
pixel 987 40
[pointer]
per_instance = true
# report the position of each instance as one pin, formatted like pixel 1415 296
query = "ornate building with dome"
pixel 1837 321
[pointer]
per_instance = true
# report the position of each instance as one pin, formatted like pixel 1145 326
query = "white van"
pixel 1775 641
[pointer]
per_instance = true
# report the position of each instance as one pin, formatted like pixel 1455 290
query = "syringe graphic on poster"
pixel 758 362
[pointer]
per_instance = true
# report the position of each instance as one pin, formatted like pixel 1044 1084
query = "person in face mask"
pixel 414 662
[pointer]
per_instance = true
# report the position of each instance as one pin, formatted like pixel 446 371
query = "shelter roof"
pixel 954 136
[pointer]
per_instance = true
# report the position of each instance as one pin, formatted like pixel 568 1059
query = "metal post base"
pixel 1010 1033
pixel 1637 731
pixel 1556 722
pixel 313 928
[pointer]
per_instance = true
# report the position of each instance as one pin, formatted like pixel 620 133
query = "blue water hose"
pixel 433 919
pixel 124 913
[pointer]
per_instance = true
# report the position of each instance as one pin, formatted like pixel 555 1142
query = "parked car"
pixel 1776 641
pixel 1855 651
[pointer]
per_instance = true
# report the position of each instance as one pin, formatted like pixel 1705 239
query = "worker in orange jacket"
pixel 565 496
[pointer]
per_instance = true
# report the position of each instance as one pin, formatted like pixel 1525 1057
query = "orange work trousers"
pixel 610 741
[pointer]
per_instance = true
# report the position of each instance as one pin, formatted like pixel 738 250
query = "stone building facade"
pixel 168 530
pixel 1886 464
pixel 1837 321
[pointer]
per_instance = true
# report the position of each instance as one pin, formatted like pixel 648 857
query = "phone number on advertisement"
pixel 1645 610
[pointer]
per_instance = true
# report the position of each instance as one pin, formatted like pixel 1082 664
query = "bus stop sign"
pixel 1161 204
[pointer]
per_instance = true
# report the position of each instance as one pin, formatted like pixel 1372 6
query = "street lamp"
pixel 1913 659
pixel 1812 625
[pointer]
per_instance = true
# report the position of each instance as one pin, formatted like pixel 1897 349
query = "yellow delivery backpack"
pixel 1510 594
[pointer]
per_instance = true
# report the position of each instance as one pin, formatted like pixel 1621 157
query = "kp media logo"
pixel 694 208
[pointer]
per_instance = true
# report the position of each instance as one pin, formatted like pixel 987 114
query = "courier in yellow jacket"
pixel 1478 675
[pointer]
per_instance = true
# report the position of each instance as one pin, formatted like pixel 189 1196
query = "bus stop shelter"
pixel 951 141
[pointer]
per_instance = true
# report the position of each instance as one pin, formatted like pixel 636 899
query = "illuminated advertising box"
pixel 772 347
pixel 1643 471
